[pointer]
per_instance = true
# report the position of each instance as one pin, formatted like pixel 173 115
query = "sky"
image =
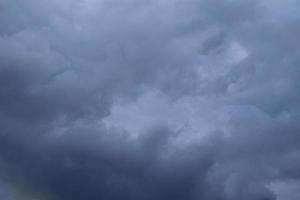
pixel 149 100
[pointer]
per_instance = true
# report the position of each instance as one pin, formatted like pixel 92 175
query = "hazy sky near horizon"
pixel 149 100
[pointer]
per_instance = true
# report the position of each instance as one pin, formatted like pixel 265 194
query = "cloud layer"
pixel 149 99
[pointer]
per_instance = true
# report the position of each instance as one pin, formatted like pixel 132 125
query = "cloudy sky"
pixel 149 100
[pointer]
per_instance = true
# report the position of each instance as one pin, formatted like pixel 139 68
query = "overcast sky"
pixel 149 100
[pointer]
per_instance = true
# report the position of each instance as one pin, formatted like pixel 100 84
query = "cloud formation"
pixel 144 99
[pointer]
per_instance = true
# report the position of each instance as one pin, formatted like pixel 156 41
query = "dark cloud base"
pixel 64 66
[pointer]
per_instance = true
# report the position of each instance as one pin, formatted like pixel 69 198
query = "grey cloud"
pixel 231 65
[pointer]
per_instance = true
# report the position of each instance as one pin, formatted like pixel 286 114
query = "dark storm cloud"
pixel 232 66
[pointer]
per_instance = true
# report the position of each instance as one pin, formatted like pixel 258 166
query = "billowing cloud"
pixel 149 99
